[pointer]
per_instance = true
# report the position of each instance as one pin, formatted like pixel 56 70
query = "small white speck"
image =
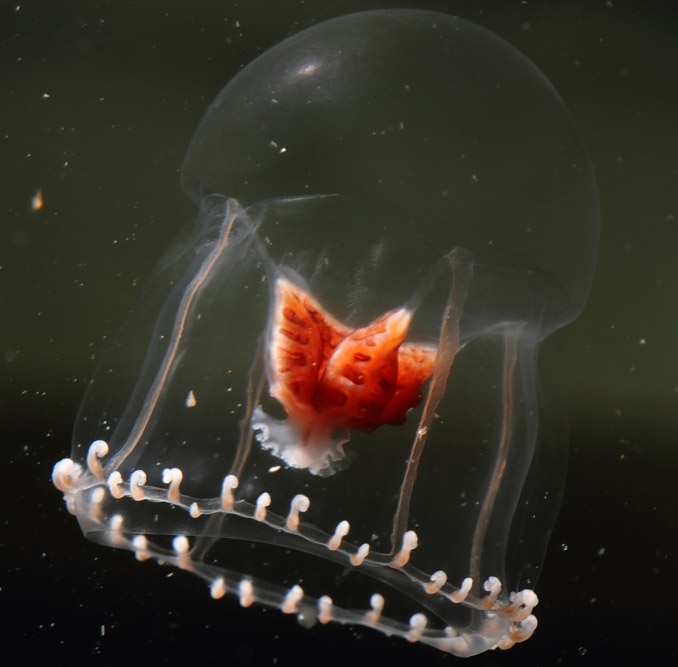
pixel 191 400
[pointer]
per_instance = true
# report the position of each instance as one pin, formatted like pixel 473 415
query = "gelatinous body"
pixel 327 400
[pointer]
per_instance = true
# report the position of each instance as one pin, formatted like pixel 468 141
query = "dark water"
pixel 99 103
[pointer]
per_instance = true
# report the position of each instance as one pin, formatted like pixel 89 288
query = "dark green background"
pixel 99 102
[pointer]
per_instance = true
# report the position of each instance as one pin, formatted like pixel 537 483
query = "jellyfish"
pixel 326 400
